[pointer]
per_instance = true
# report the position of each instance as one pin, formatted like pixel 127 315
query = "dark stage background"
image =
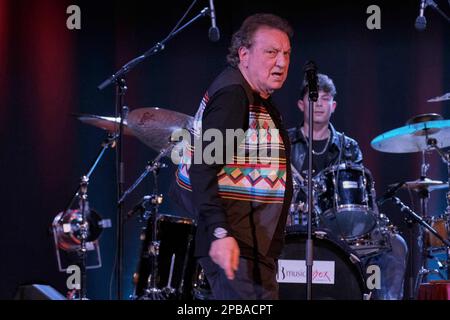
pixel 48 72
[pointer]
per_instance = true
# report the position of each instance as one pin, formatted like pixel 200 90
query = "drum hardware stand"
pixel 313 94
pixel 84 207
pixel 153 292
pixel 81 193
pixel 152 166
pixel 155 199
pixel 411 254
pixel 414 217
pixel 445 156
pixel 424 196
pixel 119 80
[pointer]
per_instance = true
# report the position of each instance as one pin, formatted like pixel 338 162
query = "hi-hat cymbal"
pixel 414 137
pixel 424 118
pixel 154 126
pixel 424 184
pixel 444 97
pixel 110 124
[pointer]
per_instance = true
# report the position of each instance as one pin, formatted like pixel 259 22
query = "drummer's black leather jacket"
pixel 341 148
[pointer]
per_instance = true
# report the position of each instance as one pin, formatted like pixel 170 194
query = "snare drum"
pixel 345 200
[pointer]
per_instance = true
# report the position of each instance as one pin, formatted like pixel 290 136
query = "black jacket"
pixel 341 149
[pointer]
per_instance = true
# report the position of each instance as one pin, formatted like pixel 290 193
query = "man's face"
pixel 323 108
pixel 265 64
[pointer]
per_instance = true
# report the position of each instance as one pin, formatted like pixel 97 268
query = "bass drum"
pixel 337 272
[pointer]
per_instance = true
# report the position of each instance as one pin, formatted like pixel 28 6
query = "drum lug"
pixel 154 248
pixel 354 258
pixel 320 234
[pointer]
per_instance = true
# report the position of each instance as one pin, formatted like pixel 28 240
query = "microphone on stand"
pixel 421 21
pixel 213 33
pixel 311 78
pixel 390 193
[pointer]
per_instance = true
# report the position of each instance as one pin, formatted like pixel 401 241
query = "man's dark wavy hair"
pixel 244 36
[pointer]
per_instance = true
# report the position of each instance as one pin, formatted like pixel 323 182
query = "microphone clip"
pixel 311 78
pixel 389 194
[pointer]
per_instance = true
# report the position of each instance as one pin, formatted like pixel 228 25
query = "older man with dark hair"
pixel 242 202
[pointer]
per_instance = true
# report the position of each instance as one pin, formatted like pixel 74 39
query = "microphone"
pixel 311 78
pixel 421 21
pixel 213 33
pixel 390 193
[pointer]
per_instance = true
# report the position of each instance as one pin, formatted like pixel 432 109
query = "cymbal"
pixel 424 184
pixel 444 97
pixel 110 124
pixel 425 117
pixel 154 126
pixel 413 137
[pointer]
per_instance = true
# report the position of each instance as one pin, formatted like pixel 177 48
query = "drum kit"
pixel 350 229
pixel 167 268
pixel 348 226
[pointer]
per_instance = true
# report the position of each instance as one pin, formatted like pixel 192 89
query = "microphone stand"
pixel 82 194
pixel 311 74
pixel 434 5
pixel 119 80
pixel 108 143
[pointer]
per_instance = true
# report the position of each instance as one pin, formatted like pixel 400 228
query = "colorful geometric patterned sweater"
pixel 245 184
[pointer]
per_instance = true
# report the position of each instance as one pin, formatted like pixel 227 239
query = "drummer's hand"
pixel 225 253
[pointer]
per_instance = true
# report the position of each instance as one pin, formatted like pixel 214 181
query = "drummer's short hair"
pixel 324 83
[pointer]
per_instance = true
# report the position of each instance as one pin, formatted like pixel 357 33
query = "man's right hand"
pixel 225 252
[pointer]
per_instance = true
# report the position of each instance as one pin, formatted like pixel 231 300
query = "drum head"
pixel 335 276
pixel 345 201
pixel 349 222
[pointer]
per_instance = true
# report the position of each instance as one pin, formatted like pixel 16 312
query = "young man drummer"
pixel 331 147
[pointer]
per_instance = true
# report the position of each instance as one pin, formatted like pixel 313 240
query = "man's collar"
pixel 297 134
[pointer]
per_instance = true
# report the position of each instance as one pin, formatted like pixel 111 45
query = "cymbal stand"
pixel 152 166
pixel 155 199
pixel 153 292
pixel 424 196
